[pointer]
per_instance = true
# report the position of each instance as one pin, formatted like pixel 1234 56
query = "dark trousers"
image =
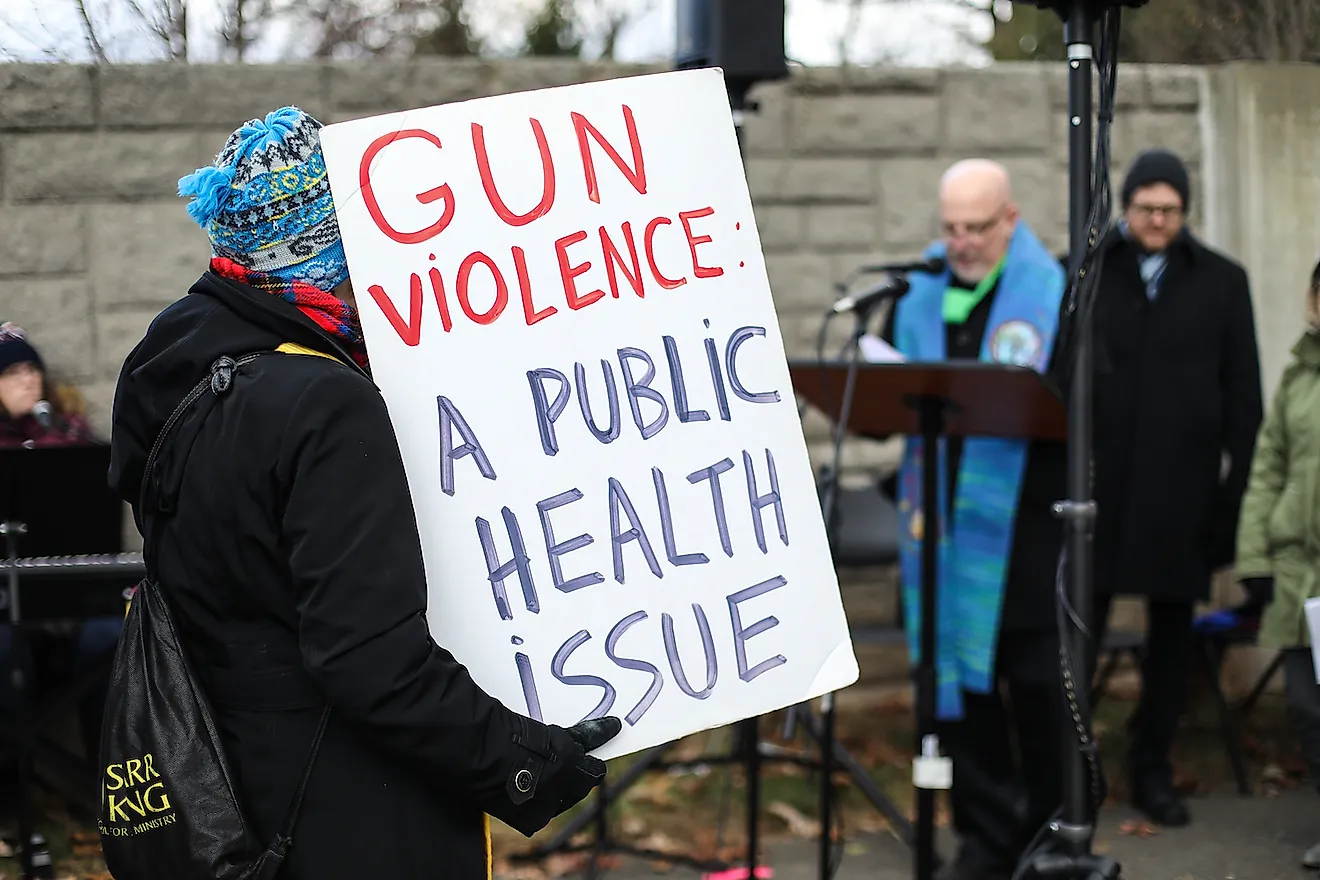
pixel 1165 670
pixel 1304 705
pixel 1007 755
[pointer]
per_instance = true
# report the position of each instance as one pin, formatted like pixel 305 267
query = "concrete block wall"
pixel 842 166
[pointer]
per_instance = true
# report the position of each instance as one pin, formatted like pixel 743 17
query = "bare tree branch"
pixel 89 32
pixel 43 41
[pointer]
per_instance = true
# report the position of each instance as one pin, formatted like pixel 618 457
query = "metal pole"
pixel 931 424
pixel 1079 31
pixel 18 647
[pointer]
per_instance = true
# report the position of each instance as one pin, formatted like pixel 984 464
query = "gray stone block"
pixel 42 241
pixel 116 334
pixel 808 181
pixel 988 111
pixel 909 189
pixel 389 86
pixel 815 426
pixel 144 255
pixel 801 329
pixel 1173 86
pixel 543 73
pixel 780 227
pixel 860 457
pixel 799 282
pixel 1131 91
pixel 853 80
pixel 765 131
pixel 842 227
pixel 866 124
pixel 99 397
pixel 36 96
pixel 57 314
pixel 170 95
pixel 101 166
pixel 1041 192
pixel 1175 130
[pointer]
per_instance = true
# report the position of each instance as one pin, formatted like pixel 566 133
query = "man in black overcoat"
pixel 1177 406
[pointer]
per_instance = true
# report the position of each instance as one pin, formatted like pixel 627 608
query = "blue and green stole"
pixel 974 553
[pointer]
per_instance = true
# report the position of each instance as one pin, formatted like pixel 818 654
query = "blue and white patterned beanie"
pixel 265 202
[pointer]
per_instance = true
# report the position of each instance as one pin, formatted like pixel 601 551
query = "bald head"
pixel 977 216
pixel 976 179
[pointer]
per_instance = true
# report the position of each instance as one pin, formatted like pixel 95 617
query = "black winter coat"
pixel 292 562
pixel 1177 387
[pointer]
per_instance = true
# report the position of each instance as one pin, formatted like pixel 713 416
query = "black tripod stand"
pixel 1067 853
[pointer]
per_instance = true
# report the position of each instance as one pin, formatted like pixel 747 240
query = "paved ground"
pixel 1230 838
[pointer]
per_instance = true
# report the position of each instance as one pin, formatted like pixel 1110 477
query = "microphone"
pixel 933 266
pixel 42 413
pixel 895 287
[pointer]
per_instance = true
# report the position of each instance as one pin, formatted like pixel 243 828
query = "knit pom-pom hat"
pixel 265 201
pixel 15 348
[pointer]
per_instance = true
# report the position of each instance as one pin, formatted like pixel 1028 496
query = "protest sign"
pixel 566 308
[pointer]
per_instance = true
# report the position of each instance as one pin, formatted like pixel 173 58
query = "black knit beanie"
pixel 14 347
pixel 1157 166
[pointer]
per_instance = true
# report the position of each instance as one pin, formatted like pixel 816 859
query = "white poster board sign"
pixel 567 310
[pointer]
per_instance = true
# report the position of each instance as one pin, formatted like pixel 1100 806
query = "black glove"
pixel 1260 591
pixel 554 771
pixel 591 735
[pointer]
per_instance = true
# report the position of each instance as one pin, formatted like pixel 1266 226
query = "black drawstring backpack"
pixel 168 806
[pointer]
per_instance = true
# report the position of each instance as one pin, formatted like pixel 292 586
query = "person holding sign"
pixel 289 540
pixel 999 300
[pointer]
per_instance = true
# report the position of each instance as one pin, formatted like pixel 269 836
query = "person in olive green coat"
pixel 1278 547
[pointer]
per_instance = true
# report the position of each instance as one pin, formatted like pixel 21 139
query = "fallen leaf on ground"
pixel 798 824
pixel 1137 829
pixel 563 864
pixel 870 822
pixel 877 751
pixel 657 841
pixel 520 872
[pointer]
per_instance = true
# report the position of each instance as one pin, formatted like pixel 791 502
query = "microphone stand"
pixel 861 312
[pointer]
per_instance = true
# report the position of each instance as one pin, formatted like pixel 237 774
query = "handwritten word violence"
pixel 591 262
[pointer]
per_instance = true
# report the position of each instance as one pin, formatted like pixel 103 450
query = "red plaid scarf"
pixel 330 313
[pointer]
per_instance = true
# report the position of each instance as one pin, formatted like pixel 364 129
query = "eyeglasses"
pixel 971 230
pixel 1170 211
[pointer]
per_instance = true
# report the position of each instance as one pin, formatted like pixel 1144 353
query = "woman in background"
pixel 33 410
pixel 36 412
pixel 1278 550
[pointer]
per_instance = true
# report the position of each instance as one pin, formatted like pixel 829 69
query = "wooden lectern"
pixel 931 400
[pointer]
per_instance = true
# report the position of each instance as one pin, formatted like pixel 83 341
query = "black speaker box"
pixel 743 37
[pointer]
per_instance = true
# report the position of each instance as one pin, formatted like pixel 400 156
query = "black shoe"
pixel 1161 805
